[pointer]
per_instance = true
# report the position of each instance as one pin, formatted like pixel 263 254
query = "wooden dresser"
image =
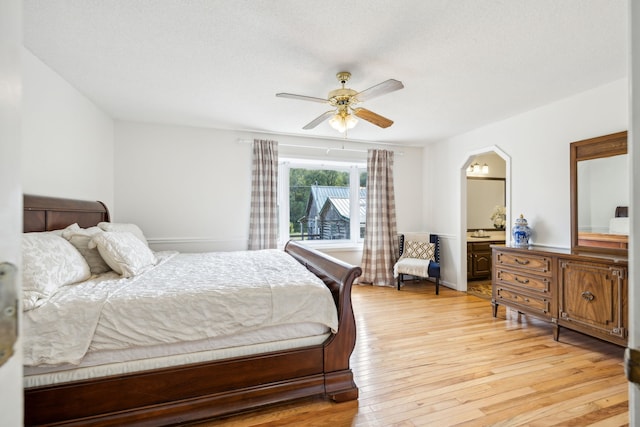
pixel 585 291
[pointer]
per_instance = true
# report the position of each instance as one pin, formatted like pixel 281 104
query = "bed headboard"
pixel 43 213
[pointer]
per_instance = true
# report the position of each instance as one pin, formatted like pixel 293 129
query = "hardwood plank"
pixel 422 359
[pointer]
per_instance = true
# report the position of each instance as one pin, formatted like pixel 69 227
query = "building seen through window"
pixel 320 204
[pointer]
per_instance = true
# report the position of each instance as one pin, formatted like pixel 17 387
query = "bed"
pixel 181 388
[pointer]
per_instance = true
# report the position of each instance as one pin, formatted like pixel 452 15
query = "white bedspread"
pixel 186 297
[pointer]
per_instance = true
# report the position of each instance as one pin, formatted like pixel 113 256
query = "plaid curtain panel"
pixel 263 226
pixel 381 237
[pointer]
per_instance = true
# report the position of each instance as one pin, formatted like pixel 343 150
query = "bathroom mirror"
pixel 600 194
pixel 483 195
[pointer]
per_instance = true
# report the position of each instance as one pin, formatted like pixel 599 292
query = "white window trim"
pixel 354 169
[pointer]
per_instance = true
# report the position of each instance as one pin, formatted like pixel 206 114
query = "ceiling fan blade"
pixel 379 89
pixel 302 97
pixel 372 117
pixel 321 118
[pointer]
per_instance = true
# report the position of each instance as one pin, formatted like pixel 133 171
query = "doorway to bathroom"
pixel 484 217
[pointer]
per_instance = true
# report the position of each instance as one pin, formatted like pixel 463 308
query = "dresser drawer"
pixel 524 262
pixel 525 281
pixel 516 299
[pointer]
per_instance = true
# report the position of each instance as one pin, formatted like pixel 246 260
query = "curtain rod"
pixel 327 149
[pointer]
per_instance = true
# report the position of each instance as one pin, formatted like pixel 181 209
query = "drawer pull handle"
pixel 522 262
pixel 523 281
pixel 588 296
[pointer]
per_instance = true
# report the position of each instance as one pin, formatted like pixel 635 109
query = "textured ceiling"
pixel 464 63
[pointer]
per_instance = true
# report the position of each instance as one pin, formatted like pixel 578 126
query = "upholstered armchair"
pixel 419 257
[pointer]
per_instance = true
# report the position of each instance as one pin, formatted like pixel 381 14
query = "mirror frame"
pixel 594 148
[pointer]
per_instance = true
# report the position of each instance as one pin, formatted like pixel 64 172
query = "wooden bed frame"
pixel 198 391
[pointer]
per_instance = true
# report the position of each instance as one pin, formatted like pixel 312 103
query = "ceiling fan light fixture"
pixel 338 123
pixel 343 121
pixel 351 121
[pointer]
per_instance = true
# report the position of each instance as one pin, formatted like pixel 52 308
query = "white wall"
pixel 189 188
pixel 186 187
pixel 538 144
pixel 67 142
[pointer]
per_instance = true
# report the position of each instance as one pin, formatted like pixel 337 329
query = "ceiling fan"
pixel 344 101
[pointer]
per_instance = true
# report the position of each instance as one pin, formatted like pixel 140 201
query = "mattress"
pixel 117 362
pixel 188 308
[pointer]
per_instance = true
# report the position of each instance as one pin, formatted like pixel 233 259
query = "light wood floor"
pixel 427 360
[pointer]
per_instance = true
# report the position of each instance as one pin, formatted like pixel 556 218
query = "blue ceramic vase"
pixel 521 232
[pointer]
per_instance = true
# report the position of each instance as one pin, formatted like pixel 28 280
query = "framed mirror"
pixel 600 194
pixel 483 195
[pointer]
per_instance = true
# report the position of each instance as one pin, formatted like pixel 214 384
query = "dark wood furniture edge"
pixel 187 393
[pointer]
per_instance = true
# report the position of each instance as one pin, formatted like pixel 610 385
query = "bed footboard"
pixel 339 277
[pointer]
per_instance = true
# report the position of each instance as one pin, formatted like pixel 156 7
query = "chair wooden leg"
pixel 437 286
pixel 399 276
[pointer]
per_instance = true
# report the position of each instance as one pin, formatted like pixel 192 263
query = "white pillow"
pixel 59 232
pixel 123 252
pixel 80 238
pixel 48 262
pixel 132 228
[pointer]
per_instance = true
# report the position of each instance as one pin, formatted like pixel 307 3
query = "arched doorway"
pixel 498 164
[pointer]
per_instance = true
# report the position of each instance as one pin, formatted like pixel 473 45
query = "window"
pixel 322 202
